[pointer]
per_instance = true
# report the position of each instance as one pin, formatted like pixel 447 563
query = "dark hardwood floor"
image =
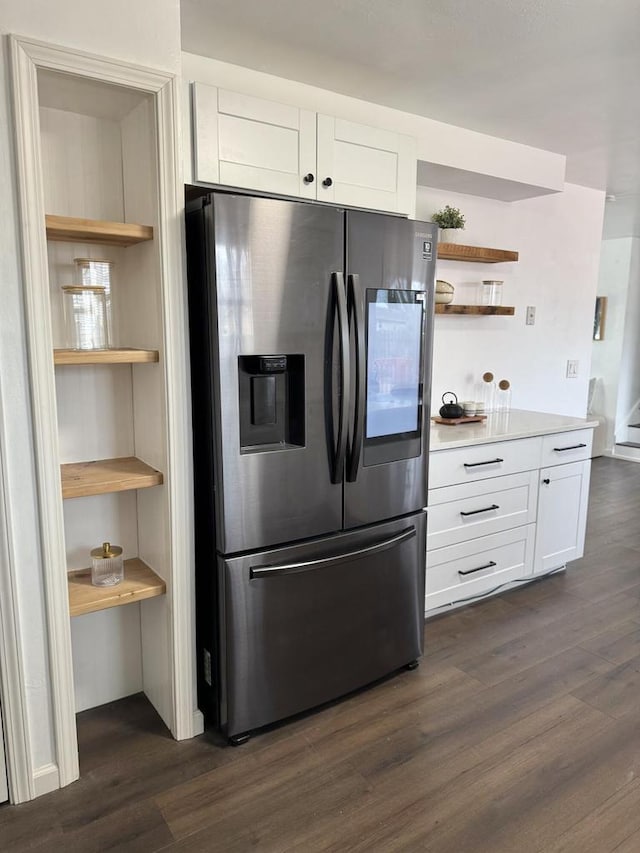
pixel 520 731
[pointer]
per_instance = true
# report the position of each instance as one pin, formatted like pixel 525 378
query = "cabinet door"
pixel 241 141
pixel 365 166
pixel 562 515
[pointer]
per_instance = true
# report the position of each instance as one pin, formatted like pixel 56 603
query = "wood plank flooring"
pixel 519 733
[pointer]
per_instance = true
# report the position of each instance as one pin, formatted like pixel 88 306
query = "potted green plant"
pixel 451 222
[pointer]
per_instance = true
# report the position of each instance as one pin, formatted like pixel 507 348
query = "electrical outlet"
pixel 531 315
pixel 572 369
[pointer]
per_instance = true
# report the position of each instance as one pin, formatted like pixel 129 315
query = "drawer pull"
pixel 488 565
pixel 488 462
pixel 546 481
pixel 476 511
pixel 572 447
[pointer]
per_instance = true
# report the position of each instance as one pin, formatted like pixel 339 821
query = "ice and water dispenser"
pixel 271 392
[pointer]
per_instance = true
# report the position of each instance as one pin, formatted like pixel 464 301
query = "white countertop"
pixel 502 426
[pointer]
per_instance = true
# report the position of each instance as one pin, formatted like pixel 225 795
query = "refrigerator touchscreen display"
pixel 394 338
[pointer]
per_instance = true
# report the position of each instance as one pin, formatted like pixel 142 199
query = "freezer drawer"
pixel 308 623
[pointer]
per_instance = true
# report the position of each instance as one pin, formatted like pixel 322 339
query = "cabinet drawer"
pixel 479 461
pixel 478 566
pixel 562 447
pixel 469 510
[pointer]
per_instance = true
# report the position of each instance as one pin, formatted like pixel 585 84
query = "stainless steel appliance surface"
pixel 311 332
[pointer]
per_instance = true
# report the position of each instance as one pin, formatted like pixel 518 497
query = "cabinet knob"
pixel 546 481
pixel 327 182
pixel 309 178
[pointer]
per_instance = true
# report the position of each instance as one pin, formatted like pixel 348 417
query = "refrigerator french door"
pixel 310 337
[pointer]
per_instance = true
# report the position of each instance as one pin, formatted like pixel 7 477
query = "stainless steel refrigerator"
pixel 310 332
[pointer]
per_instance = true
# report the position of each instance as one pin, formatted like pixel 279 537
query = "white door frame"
pixel 27 56
pixel 13 698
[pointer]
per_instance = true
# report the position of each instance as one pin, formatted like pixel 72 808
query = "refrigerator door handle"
pixel 356 310
pixel 343 327
pixel 308 565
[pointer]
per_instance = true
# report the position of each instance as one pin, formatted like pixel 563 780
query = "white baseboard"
pixel 197 726
pixel 627 454
pixel 45 780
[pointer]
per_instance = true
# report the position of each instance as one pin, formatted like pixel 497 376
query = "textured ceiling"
pixel 557 74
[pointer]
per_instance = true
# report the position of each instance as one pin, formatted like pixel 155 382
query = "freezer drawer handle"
pixel 293 568
pixel 488 565
pixel 488 462
pixel 476 511
pixel 572 447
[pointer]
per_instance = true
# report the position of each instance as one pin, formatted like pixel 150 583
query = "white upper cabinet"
pixel 365 166
pixel 243 141
pixel 248 142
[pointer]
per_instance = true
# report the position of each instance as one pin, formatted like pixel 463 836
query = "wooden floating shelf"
pixel 495 310
pixel 122 355
pixel 477 254
pixel 80 479
pixel 71 229
pixel 139 582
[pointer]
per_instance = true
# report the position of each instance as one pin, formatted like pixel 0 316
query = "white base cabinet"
pixel 251 143
pixel 504 512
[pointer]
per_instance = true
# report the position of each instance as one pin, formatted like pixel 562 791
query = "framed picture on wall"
pixel 599 318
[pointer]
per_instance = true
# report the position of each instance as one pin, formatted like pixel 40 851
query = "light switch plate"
pixel 531 315
pixel 572 369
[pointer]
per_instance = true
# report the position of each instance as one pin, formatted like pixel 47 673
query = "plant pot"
pixel 450 235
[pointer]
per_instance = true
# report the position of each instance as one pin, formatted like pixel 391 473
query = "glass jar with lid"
pixel 85 317
pixel 503 396
pixel 106 565
pixel 98 272
pixel 491 293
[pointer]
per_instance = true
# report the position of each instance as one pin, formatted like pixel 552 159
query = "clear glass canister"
pixel 93 271
pixel 503 396
pixel 106 565
pixel 486 394
pixel 491 293
pixel 85 316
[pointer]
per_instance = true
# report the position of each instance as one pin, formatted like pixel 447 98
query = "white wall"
pixel 558 240
pixel 613 282
pixel 629 383
pixel 558 237
pixel 146 32
pixel 502 164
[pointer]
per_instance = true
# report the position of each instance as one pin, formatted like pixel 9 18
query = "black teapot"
pixel 451 410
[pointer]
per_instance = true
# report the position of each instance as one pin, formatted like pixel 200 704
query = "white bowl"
pixel 444 292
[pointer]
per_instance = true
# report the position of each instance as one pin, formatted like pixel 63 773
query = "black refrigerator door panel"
pixel 273 272
pixel 309 623
pixel 390 288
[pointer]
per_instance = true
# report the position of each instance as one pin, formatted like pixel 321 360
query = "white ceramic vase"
pixel 451 235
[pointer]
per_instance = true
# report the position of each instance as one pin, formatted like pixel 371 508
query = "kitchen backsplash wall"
pixel 558 238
